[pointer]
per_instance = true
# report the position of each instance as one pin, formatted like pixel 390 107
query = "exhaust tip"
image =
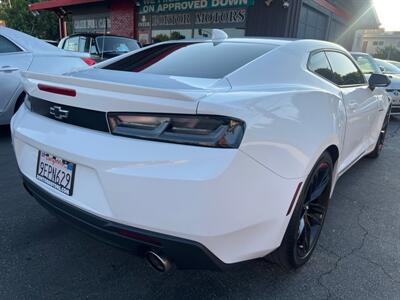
pixel 159 262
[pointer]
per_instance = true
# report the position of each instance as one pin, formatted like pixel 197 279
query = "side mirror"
pixel 378 80
pixel 382 68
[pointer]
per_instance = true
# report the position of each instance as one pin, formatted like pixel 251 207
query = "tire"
pixel 292 253
pixel 381 139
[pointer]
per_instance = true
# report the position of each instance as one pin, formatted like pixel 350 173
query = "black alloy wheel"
pixel 308 217
pixel 381 139
pixel 313 210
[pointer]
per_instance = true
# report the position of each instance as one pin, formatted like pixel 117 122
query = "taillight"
pixel 89 61
pixel 199 130
pixel 56 90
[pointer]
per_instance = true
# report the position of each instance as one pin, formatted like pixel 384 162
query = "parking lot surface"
pixel 358 256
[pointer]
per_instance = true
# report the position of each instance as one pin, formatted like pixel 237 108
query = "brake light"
pixel 56 90
pixel 199 130
pixel 89 61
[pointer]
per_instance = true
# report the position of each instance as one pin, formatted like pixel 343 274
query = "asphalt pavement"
pixel 358 256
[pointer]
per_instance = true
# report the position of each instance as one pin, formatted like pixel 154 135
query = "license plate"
pixel 56 172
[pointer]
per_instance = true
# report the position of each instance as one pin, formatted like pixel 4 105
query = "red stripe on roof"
pixel 58 3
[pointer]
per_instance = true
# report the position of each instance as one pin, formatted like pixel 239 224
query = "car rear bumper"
pixel 186 254
pixel 220 198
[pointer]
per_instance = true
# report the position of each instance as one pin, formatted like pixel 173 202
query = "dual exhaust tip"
pixel 159 261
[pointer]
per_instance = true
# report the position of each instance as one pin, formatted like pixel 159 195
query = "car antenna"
pixel 218 35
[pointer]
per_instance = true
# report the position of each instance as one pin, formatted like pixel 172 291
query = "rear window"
pixel 199 59
pixel 110 44
pixel 7 47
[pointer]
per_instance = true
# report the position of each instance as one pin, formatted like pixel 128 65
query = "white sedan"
pixel 21 52
pixel 201 153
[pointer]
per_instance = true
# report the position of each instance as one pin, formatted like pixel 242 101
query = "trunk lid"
pixel 115 91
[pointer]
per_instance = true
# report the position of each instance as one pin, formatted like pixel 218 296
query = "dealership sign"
pixel 206 18
pixel 165 6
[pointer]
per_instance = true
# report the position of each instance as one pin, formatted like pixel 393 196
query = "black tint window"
pixel 201 59
pixel 319 64
pixel 7 47
pixel 344 70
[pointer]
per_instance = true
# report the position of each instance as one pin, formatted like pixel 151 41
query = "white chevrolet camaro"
pixel 204 153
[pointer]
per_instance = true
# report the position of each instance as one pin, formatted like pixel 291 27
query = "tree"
pixel 17 16
pixel 388 52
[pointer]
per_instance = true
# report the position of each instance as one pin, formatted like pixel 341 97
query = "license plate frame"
pixel 61 170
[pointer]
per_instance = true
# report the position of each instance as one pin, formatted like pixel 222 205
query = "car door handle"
pixel 8 69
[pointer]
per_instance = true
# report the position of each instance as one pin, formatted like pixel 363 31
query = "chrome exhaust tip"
pixel 159 262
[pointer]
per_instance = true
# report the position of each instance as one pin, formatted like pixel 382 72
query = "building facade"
pixel 370 41
pixel 154 20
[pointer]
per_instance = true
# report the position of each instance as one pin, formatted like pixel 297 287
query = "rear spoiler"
pixel 31 80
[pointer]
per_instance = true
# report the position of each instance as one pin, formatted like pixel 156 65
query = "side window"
pixel 344 70
pixel 82 44
pixel 72 44
pixel 7 47
pixel 92 47
pixel 319 64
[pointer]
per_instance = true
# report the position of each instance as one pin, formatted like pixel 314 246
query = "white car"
pixel 21 52
pixel 204 153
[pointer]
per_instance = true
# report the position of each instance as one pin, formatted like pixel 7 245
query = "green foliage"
pixel 175 35
pixel 160 38
pixel 164 37
pixel 17 16
pixel 388 52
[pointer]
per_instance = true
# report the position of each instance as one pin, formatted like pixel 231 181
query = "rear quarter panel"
pixel 292 114
pixel 287 128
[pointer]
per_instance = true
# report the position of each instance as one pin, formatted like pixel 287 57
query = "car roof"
pixel 34 45
pixel 27 42
pixel 94 35
pixel 361 53
pixel 295 44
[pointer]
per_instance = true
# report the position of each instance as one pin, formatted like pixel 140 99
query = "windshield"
pixel 113 44
pixel 367 64
pixel 192 59
pixel 388 67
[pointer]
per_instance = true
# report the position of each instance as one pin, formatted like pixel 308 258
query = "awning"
pixel 54 4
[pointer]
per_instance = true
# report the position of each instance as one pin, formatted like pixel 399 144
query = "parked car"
pixel 229 158
pixel 99 46
pixel 387 68
pixel 393 62
pixel 369 65
pixel 21 52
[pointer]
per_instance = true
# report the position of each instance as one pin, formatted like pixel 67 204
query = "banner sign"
pixel 220 18
pixel 91 23
pixel 168 6
pixel 207 18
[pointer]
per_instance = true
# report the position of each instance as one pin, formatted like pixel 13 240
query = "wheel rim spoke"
pixel 315 219
pixel 314 208
pixel 307 234
pixel 320 187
